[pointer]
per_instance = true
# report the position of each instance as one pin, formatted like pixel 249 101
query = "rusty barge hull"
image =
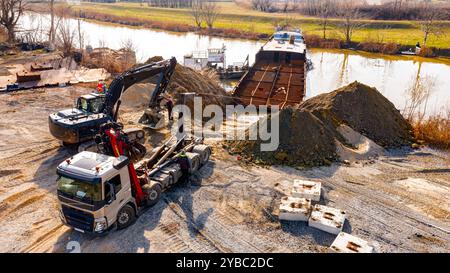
pixel 276 78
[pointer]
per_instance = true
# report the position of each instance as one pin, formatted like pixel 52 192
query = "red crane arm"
pixel 118 146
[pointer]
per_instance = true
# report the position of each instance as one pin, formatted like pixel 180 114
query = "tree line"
pixel 171 3
pixel 353 13
pixel 387 10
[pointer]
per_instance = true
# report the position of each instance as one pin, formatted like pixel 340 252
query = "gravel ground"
pixel 399 202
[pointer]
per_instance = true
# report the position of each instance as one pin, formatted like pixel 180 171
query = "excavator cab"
pixel 92 103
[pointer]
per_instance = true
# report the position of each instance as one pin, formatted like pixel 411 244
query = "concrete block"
pixel 346 243
pixel 327 219
pixel 295 209
pixel 307 189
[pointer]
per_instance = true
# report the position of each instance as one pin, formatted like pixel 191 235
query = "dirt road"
pixel 399 202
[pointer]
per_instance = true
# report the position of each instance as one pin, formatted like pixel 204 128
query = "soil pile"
pixel 311 132
pixel 366 111
pixel 184 80
pixel 304 141
pixel 187 80
pixel 137 97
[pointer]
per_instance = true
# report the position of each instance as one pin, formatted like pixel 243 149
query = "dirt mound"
pixel 304 141
pixel 187 80
pixel 365 110
pixel 137 97
pixel 314 133
pixel 184 80
pixel 115 61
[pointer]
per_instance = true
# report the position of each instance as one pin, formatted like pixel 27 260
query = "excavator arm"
pixel 121 84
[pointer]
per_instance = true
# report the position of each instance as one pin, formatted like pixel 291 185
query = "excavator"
pixel 78 126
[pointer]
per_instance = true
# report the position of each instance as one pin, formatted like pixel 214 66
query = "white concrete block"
pixel 327 219
pixel 307 189
pixel 346 243
pixel 295 209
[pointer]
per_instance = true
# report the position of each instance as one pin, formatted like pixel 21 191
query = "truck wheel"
pixel 125 217
pixel 152 192
pixel 204 151
pixel 194 161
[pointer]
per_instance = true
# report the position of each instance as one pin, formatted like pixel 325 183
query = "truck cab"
pixel 93 190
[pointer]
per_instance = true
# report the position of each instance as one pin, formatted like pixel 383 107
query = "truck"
pixel 106 190
pixel 78 126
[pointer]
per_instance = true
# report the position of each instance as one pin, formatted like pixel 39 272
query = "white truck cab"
pixel 92 188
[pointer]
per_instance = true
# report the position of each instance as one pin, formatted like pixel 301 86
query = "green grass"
pixel 236 17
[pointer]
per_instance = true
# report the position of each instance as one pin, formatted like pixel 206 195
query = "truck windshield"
pixel 92 105
pixel 80 190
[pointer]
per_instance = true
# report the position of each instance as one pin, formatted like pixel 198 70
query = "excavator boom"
pixel 121 83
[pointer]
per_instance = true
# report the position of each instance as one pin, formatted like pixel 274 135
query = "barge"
pixel 278 74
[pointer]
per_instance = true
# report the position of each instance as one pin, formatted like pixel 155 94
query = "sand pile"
pixel 137 97
pixel 304 141
pixel 355 120
pixel 365 110
pixel 184 80
pixel 187 80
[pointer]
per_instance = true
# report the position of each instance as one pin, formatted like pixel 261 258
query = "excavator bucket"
pixel 153 118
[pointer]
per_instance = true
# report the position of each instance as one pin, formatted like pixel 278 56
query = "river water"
pixel 394 77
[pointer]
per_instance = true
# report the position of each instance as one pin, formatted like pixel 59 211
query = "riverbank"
pixel 238 22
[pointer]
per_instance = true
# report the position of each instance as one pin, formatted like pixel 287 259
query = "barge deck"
pixel 278 75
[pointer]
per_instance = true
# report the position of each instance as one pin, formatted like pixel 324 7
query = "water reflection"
pixel 393 78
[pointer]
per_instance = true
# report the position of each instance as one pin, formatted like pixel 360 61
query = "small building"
pixel 196 60
pixel 213 57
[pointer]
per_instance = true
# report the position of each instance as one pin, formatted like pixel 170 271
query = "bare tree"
pixel 129 57
pixel 262 5
pixel 324 11
pixel 210 13
pixel 35 33
pixel 417 98
pixel 349 13
pixel 66 38
pixel 10 12
pixel 128 45
pixel 197 12
pixel 52 32
pixel 428 20
pixel 81 35
pixel 310 7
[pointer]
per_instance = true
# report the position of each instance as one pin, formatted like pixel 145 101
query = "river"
pixel 394 76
